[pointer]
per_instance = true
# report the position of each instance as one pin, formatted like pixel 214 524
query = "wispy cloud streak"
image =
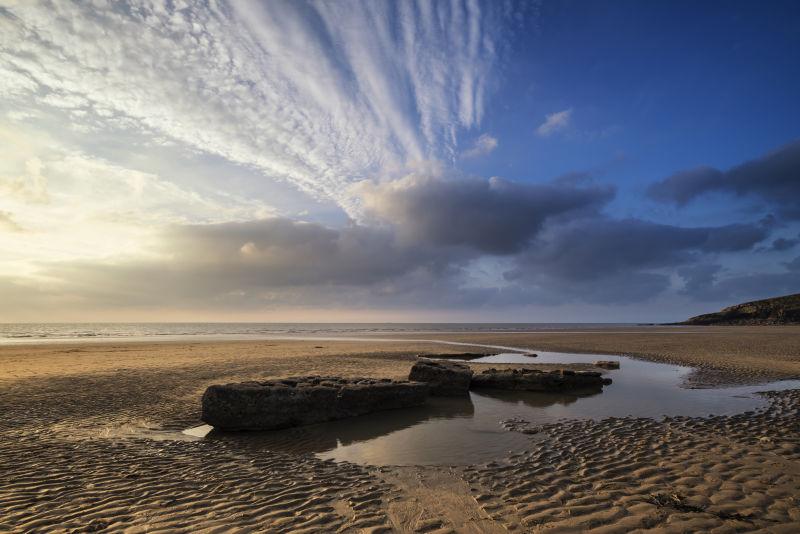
pixel 318 94
pixel 554 123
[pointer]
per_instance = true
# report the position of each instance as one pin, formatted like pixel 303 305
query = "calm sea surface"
pixel 11 333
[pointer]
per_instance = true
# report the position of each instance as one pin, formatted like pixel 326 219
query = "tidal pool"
pixel 463 431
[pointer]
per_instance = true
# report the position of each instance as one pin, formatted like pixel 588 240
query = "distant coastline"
pixel 783 310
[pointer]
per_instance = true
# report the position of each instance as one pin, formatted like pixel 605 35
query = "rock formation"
pixel 446 379
pixel 777 310
pixel 295 401
pixel 535 380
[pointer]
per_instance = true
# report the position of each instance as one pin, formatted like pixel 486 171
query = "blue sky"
pixel 456 160
pixel 654 87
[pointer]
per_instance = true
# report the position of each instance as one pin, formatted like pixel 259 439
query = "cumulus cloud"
pixel 554 123
pixel 485 144
pixel 773 178
pixel 266 262
pixel 494 216
pixel 297 90
pixel 431 228
pixel 569 256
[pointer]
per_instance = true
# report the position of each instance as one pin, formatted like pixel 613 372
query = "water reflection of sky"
pixel 468 430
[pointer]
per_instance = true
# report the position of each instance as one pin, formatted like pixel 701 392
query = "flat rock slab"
pixel 536 380
pixel 295 401
pixel 446 379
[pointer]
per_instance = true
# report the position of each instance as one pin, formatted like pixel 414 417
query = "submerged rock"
pixel 446 379
pixel 607 364
pixel 457 355
pixel 296 401
pixel 536 380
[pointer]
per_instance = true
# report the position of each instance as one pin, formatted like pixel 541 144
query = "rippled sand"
pixel 74 456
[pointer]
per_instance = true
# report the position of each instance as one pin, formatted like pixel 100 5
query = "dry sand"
pixel 76 454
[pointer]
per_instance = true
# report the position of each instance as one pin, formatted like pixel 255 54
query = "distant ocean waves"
pixel 33 332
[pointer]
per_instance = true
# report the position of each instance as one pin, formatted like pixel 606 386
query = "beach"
pixel 91 442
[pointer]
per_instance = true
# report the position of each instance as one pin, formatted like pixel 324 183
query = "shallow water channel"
pixel 452 431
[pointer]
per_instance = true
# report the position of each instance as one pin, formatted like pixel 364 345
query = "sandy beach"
pixel 89 443
pixel 399 266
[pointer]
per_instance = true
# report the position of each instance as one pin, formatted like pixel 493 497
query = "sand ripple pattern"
pixel 719 474
pixel 71 461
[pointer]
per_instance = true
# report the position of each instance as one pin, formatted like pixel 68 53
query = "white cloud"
pixel 308 93
pixel 484 144
pixel 554 123
pixel 73 205
pixel 8 224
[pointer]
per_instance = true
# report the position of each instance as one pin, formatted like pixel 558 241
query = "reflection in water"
pixel 536 399
pixel 323 437
pixel 453 431
pixel 457 431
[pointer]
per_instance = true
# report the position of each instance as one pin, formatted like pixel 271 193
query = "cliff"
pixel 773 311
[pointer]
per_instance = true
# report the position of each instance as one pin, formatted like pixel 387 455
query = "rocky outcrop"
pixel 295 401
pixel 607 364
pixel 774 311
pixel 446 379
pixel 535 380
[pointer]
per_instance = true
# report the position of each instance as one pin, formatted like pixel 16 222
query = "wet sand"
pixel 73 457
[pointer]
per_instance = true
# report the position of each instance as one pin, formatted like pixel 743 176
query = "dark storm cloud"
pixel 606 260
pixel 494 216
pixel 698 278
pixel 774 178
pixel 783 243
pixel 432 235
pixel 278 252
pixel 283 262
pixel 731 238
pixel 710 283
pixel 592 248
pixel 238 258
pixel 429 230
pixel 684 186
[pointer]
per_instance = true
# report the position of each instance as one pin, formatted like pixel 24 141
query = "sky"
pixel 549 161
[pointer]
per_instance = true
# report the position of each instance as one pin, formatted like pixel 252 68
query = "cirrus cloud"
pixel 554 123
pixel 485 144
pixel 297 90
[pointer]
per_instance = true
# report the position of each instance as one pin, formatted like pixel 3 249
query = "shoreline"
pixel 66 405
pixel 366 335
pixel 722 355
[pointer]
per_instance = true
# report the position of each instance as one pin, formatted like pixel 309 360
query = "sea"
pixel 17 333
